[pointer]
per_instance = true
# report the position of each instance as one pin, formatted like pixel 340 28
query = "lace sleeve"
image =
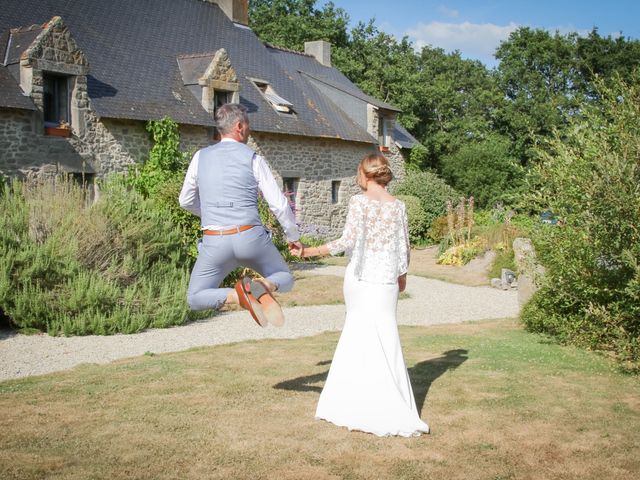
pixel 350 233
pixel 404 247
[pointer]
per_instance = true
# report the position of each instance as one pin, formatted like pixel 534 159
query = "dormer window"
pixel 278 103
pixel 56 100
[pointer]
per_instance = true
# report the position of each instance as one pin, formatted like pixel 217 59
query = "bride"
pixel 368 386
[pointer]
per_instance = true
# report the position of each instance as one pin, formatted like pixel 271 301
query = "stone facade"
pixel 26 150
pixel 105 146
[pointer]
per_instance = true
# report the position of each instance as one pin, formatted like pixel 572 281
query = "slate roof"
pixel 403 138
pixel 11 95
pixel 134 49
pixel 296 62
pixel 310 73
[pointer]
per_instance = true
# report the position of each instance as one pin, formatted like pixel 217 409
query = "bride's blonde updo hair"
pixel 376 167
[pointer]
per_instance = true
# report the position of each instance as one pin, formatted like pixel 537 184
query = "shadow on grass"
pixel 305 383
pixel 422 375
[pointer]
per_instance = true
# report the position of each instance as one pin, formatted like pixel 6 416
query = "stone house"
pixel 79 80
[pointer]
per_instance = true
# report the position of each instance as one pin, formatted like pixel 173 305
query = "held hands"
pixel 402 282
pixel 296 248
pixel 299 250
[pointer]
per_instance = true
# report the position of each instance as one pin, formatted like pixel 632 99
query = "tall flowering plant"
pixel 458 247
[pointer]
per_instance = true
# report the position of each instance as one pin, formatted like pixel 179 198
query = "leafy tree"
pixel 605 57
pixel 456 102
pixel 590 178
pixel 545 78
pixel 537 74
pixel 290 23
pixel 485 170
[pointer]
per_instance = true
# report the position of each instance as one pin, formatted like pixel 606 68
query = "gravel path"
pixel 432 302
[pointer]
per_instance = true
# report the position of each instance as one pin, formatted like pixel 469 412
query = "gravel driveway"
pixel 432 302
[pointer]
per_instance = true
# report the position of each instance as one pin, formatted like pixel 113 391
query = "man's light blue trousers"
pixel 219 254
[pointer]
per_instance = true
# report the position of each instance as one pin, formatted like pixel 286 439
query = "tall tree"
pixel 545 78
pixel 290 23
pixel 455 101
pixel 537 74
pixel 606 58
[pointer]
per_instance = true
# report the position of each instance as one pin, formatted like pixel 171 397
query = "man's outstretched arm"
pixel 278 203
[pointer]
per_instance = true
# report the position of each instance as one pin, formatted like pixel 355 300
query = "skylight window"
pixel 280 104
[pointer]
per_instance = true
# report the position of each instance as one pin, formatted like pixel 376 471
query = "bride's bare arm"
pixel 320 251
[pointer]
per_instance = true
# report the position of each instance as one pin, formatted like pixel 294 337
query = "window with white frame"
pixel 384 132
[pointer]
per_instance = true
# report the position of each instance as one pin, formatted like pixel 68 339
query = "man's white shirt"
pixel 190 200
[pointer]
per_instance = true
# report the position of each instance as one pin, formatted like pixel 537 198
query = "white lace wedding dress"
pixel 368 386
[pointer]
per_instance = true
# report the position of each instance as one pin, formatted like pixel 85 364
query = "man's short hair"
pixel 228 115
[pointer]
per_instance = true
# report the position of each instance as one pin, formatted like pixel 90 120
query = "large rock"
pixel 530 272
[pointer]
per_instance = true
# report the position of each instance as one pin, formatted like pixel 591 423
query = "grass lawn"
pixel 502 404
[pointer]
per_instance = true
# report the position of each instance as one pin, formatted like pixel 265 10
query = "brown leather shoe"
pixel 249 302
pixel 269 304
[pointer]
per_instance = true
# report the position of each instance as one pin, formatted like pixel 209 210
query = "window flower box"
pixel 57 131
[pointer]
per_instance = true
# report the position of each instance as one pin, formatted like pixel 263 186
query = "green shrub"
pixel 418 158
pixel 590 178
pixel 439 229
pixel 416 217
pixel 486 170
pixel 432 191
pixel 72 267
pixel 165 162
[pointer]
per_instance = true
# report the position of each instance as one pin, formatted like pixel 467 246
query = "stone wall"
pixel 194 137
pixel 24 149
pixel 397 162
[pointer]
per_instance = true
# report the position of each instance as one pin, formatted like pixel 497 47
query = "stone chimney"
pixel 236 10
pixel 319 49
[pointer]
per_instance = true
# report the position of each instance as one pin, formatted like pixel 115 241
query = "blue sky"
pixel 475 28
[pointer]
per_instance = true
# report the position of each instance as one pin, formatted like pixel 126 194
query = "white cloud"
pixel 474 40
pixel 448 12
